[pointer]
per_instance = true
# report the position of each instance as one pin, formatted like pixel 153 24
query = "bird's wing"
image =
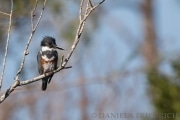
pixel 40 69
pixel 56 60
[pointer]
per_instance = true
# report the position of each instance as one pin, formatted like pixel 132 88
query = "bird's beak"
pixel 59 48
pixel 56 47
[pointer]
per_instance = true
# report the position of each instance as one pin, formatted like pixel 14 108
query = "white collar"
pixel 45 48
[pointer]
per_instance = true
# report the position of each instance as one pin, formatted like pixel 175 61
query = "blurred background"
pixel 126 62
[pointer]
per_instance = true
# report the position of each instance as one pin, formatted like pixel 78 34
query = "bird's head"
pixel 49 43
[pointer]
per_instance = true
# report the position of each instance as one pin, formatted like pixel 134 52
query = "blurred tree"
pixel 164 91
pixel 149 47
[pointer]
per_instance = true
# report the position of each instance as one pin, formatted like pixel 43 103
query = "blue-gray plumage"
pixel 47 59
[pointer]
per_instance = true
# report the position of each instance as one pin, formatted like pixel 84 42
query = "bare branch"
pixel 80 30
pixel 40 14
pixel 8 91
pixel 63 62
pixel 7 44
pixel 30 38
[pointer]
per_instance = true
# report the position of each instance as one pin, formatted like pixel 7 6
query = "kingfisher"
pixel 47 59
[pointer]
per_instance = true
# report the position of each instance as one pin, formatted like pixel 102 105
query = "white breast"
pixel 47 59
pixel 48 66
pixel 45 48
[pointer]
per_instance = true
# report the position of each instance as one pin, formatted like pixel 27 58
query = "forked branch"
pixel 89 8
pixel 30 37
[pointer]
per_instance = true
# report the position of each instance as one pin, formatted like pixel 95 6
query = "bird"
pixel 47 59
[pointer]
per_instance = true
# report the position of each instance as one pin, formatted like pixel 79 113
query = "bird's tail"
pixel 44 84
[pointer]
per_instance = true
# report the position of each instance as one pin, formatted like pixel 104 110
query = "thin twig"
pixel 7 44
pixel 33 15
pixel 62 66
pixel 29 41
pixel 80 10
pixel 90 3
pixel 4 13
pixel 62 60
